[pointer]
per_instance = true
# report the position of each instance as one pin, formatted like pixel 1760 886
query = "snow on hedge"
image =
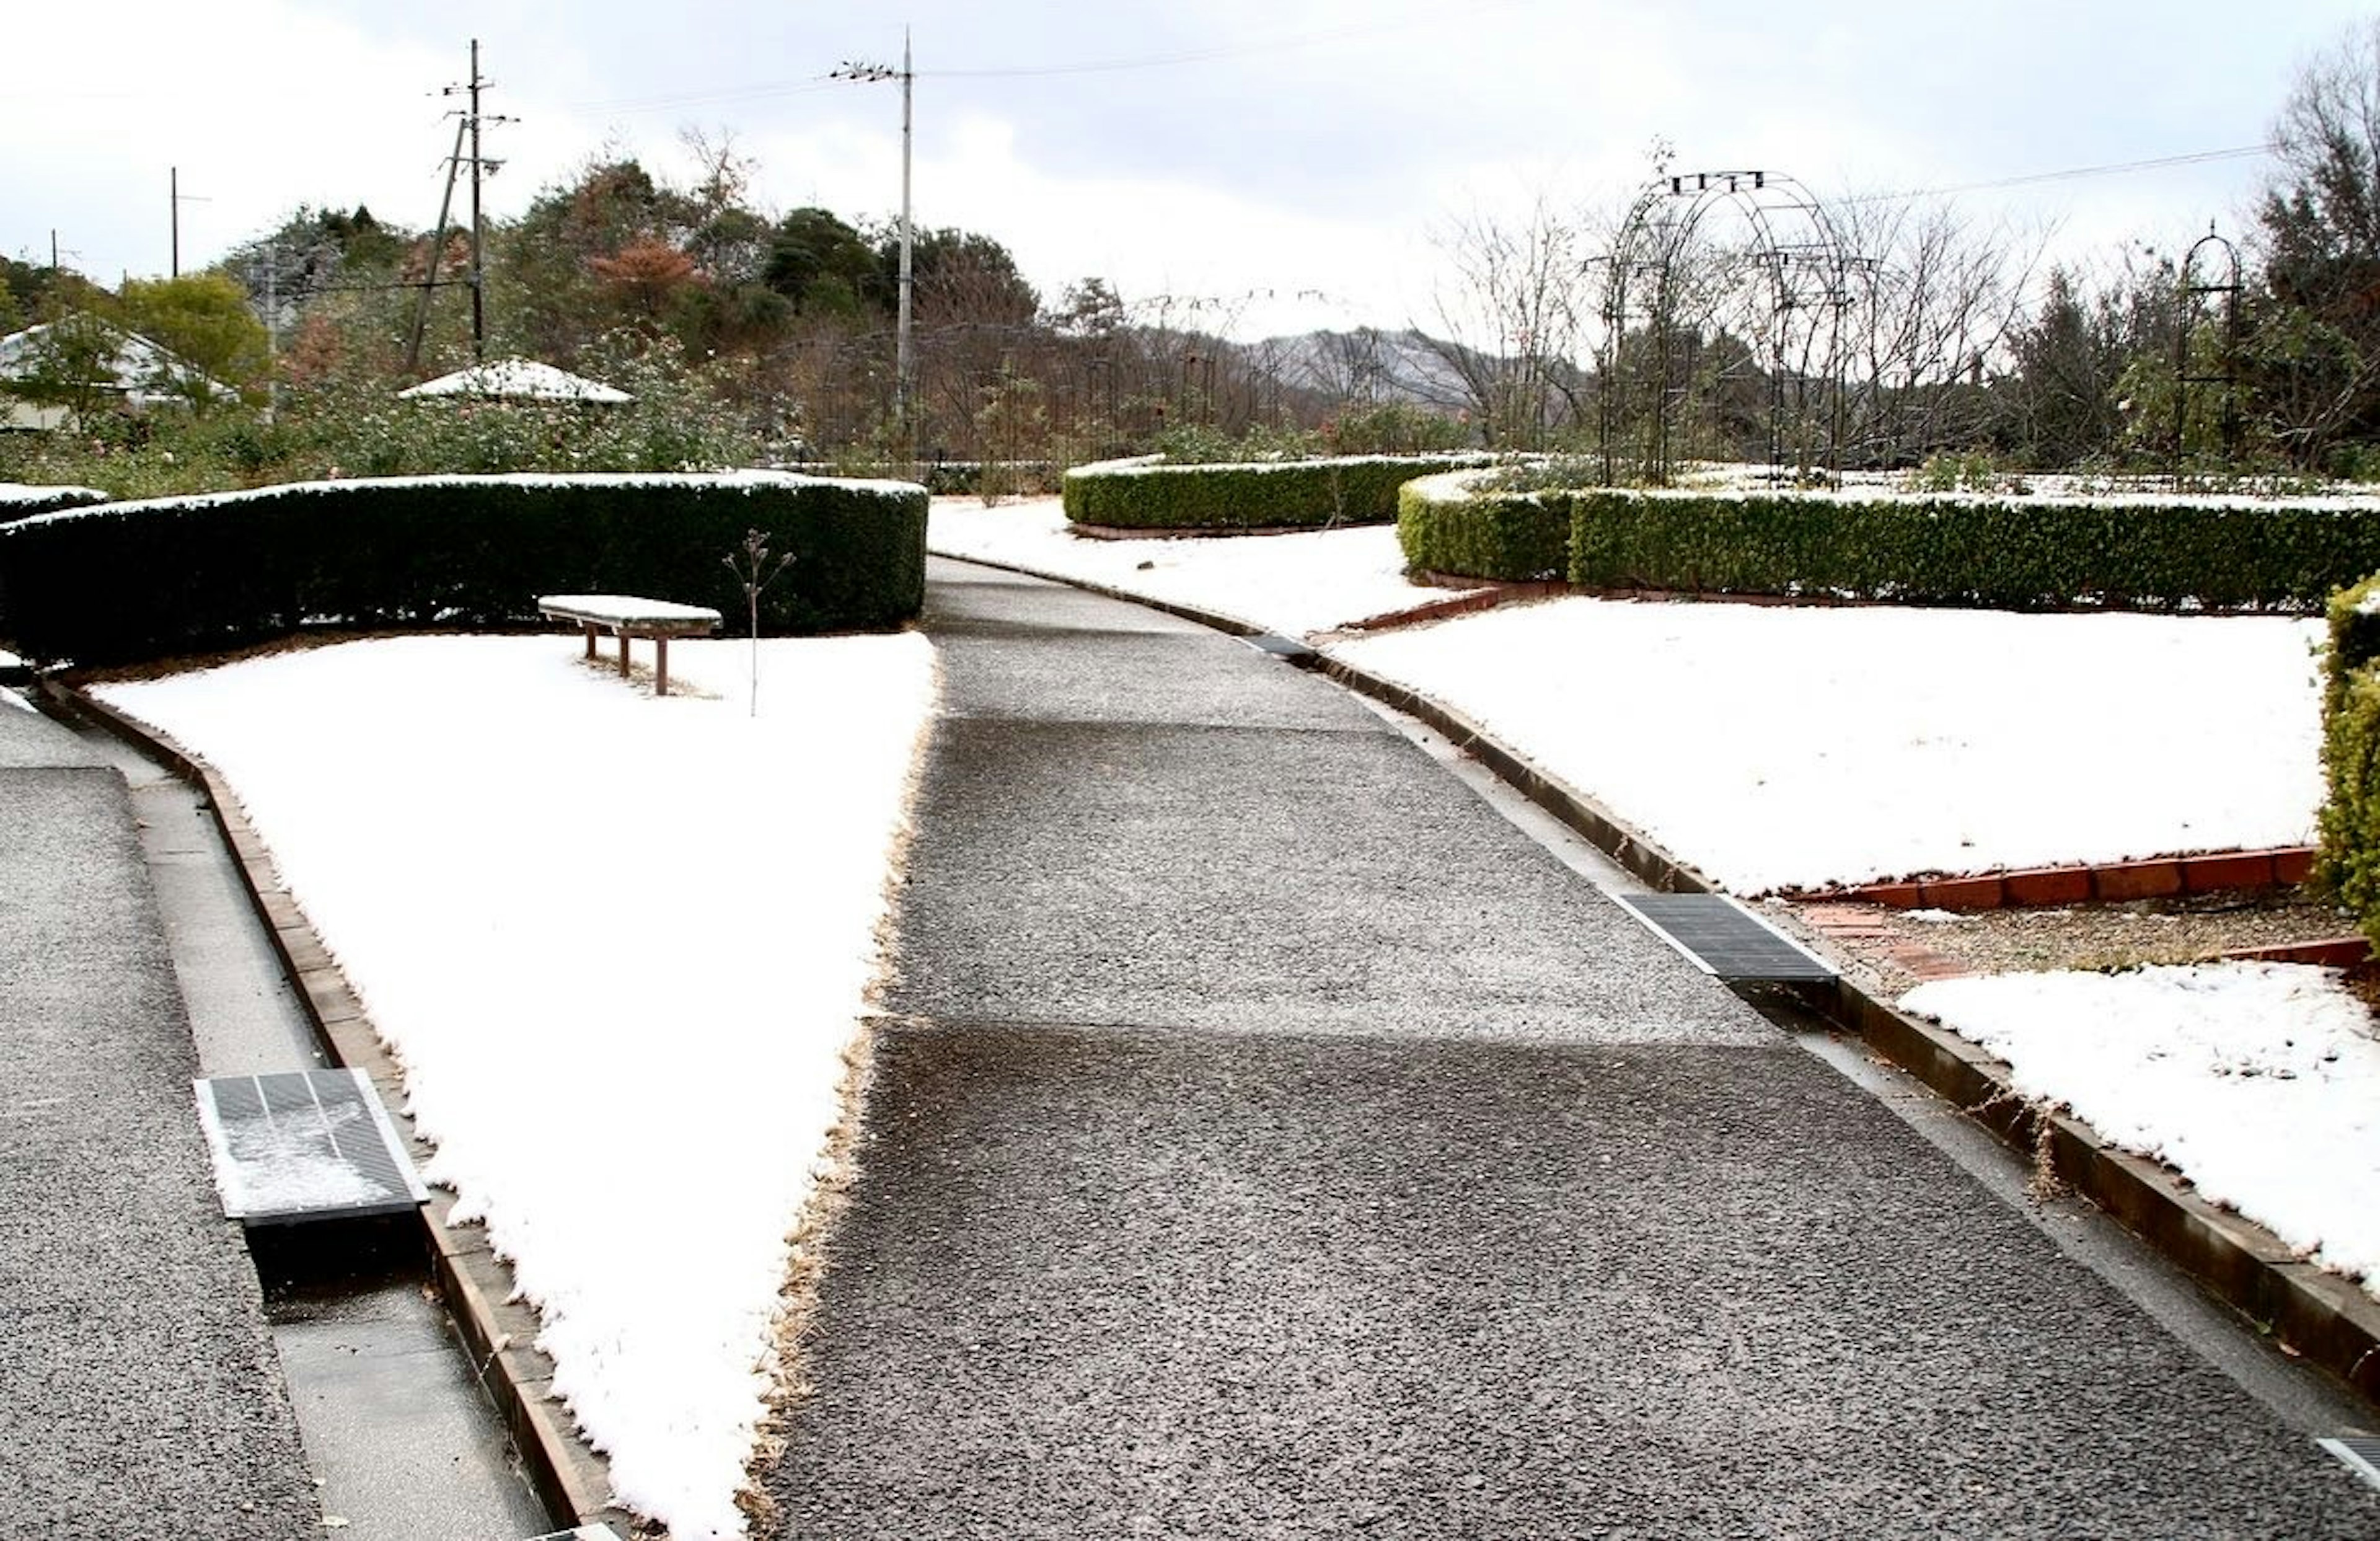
pixel 747 481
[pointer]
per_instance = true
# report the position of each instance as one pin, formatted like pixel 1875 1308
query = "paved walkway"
pixel 140 1390
pixel 1268 1139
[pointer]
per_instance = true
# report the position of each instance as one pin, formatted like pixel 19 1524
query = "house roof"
pixel 134 367
pixel 520 379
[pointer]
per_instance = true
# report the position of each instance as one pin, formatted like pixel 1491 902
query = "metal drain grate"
pixel 1288 649
pixel 304 1146
pixel 2362 1453
pixel 1721 938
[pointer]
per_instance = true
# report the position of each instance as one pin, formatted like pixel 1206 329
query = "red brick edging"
pixel 2108 883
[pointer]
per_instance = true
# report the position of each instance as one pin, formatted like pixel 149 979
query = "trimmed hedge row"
pixel 2348 860
pixel 2002 553
pixel 1512 537
pixel 125 582
pixel 1284 494
pixel 21 501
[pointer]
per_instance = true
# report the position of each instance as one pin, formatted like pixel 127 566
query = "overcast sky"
pixel 1265 164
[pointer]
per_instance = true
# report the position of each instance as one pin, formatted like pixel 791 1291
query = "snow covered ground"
pixel 2258 1082
pixel 620 945
pixel 1290 584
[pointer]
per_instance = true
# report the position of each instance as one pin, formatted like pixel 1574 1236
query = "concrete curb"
pixel 571 1479
pixel 2312 1312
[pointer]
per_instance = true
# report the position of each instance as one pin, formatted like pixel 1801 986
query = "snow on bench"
pixel 624 617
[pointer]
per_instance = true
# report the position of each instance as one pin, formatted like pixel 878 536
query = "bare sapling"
pixel 756 572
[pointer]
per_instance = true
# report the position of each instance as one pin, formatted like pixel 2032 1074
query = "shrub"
pixel 2348 863
pixel 2006 554
pixel 2010 552
pixel 1283 494
pixel 123 582
pixel 1445 527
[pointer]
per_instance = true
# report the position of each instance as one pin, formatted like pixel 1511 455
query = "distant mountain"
pixel 1369 364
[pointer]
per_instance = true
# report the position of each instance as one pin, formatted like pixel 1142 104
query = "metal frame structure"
pixel 2189 293
pixel 1785 290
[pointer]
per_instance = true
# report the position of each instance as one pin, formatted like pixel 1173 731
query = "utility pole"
pixel 482 169
pixel 437 255
pixel 849 70
pixel 177 198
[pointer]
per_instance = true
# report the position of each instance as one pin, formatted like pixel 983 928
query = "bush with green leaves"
pixel 1277 494
pixel 1446 526
pixel 2132 551
pixel 2348 863
pixel 124 582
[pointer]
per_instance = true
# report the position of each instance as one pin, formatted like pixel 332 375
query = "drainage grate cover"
pixel 304 1146
pixel 1720 937
pixel 2362 1453
pixel 1286 648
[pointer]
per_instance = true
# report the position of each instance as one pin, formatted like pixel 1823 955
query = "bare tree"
pixel 1945 300
pixel 1509 310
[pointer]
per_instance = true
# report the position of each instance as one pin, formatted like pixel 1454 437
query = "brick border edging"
pixel 2322 1318
pixel 571 1479
pixel 2088 883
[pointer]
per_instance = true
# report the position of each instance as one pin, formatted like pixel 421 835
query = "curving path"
pixel 1267 1138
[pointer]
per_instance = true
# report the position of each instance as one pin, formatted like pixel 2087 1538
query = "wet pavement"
pixel 1268 1138
pixel 139 1389
pixel 350 1405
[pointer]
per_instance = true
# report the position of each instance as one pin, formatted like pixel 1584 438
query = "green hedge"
pixel 1512 537
pixel 124 582
pixel 2132 551
pixel 1284 494
pixel 2348 860
pixel 19 501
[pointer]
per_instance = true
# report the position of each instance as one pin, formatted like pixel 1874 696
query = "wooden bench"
pixel 624 617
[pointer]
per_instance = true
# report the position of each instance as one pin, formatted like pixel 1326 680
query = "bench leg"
pixel 624 655
pixel 590 630
pixel 661 665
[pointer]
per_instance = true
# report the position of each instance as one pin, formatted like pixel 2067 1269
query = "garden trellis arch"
pixel 1786 291
pixel 2190 365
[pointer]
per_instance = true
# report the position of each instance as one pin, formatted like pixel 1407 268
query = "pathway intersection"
pixel 1268 1138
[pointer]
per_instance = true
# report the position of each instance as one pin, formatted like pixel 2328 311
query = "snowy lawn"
pixel 620 945
pixel 1779 747
pixel 2258 1082
pixel 1289 584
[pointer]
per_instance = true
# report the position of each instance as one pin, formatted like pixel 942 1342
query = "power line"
pixel 767 90
pixel 2113 168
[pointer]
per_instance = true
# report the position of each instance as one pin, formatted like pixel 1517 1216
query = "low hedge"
pixel 1279 495
pixel 20 500
pixel 1512 537
pixel 2126 551
pixel 123 582
pixel 2347 862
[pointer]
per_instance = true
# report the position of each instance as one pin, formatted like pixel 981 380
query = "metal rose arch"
pixel 1725 337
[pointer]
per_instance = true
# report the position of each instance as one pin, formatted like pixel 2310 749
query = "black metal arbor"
pixel 2192 365
pixel 1697 321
